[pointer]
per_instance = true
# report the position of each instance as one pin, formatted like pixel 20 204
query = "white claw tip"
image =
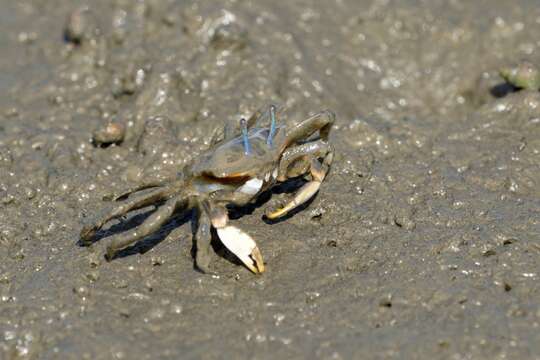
pixel 243 246
pixel 251 187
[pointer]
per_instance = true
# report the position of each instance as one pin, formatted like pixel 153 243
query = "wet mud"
pixel 423 242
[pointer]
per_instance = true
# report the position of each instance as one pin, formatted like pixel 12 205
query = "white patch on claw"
pixel 243 246
pixel 251 187
pixel 275 173
pixel 267 177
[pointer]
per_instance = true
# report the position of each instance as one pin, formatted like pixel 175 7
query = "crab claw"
pixel 305 193
pixel 243 246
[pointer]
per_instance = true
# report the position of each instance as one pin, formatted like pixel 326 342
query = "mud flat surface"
pixel 423 243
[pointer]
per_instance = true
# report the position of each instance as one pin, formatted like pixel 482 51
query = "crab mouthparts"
pixel 243 246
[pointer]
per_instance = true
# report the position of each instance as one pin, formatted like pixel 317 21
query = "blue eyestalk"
pixel 272 125
pixel 247 147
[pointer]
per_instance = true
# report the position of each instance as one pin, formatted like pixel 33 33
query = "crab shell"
pixel 229 160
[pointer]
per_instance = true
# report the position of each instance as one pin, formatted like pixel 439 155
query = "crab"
pixel 240 164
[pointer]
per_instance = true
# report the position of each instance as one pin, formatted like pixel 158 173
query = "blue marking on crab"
pixel 247 148
pixel 272 126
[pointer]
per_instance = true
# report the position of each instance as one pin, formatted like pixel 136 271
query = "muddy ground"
pixel 423 242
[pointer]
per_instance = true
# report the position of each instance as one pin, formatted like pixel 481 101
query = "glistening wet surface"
pixel 423 242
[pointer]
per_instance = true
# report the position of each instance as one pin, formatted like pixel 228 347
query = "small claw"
pixel 276 213
pixel 243 246
pixel 305 193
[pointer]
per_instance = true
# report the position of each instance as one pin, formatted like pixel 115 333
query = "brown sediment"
pixel 422 241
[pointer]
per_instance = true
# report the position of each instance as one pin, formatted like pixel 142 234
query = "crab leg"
pixel 203 237
pixel 293 161
pixel 149 226
pixel 89 231
pixel 140 187
pixel 237 241
pixel 322 122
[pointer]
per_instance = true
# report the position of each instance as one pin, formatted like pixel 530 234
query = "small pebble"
pixel 111 133
pixel 524 76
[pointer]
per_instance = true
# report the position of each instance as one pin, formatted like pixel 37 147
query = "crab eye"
pixel 251 187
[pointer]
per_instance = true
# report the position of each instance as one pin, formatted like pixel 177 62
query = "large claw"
pixel 243 246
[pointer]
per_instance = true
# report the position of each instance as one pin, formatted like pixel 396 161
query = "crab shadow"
pixel 501 90
pixel 190 215
pixel 144 245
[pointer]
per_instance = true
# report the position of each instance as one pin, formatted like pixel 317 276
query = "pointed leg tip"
pixel 109 254
pixel 205 270
pixel 87 233
pixel 202 262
